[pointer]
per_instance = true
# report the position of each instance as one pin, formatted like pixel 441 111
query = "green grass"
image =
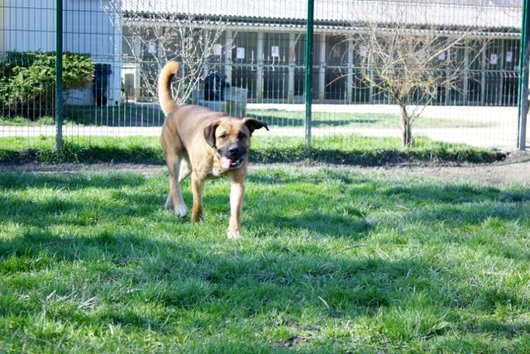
pixel 22 121
pixel 349 149
pixel 135 115
pixel 367 151
pixel 333 260
pixel 126 115
pixel 81 149
pixel 283 118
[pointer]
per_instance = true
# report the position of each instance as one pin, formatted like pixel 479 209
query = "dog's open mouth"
pixel 228 163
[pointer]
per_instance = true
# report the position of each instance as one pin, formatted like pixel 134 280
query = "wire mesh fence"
pixel 452 64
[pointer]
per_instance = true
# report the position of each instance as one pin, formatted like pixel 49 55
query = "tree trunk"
pixel 407 134
pixel 406 127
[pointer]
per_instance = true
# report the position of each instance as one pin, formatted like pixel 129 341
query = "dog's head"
pixel 231 138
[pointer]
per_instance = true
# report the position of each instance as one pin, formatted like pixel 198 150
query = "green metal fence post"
pixel 309 73
pixel 59 76
pixel 523 78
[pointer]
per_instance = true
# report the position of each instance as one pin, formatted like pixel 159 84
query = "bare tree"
pixel 152 38
pixel 412 64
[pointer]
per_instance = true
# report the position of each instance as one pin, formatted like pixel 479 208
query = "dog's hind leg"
pixel 185 169
pixel 174 153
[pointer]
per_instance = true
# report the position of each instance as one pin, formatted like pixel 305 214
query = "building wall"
pixel 88 27
pixel 29 25
pixel 3 25
pixel 271 65
pixel 92 26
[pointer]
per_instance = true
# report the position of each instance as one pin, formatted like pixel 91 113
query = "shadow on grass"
pixel 68 181
pixel 343 176
pixel 76 153
pixel 189 279
pixel 115 116
pixel 509 330
pixel 330 225
pixel 370 157
pixel 299 122
pixel 145 282
pixel 180 276
pixel 462 204
pixel 81 200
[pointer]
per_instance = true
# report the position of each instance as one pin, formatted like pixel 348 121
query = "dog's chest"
pixel 216 171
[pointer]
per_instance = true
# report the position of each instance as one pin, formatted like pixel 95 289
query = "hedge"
pixel 27 81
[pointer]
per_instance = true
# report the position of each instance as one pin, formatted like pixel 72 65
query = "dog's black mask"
pixel 234 140
pixel 232 156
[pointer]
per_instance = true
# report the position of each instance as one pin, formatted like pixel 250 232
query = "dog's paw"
pixel 234 234
pixel 181 210
pixel 169 203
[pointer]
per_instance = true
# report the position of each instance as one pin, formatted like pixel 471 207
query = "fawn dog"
pixel 205 144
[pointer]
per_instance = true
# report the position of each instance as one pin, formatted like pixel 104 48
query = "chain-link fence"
pixel 447 68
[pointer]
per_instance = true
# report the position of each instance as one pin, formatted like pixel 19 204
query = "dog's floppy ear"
pixel 253 124
pixel 209 133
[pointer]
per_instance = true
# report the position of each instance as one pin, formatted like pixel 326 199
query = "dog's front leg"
pixel 237 193
pixel 174 200
pixel 197 184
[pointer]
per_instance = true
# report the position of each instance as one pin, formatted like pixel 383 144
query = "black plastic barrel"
pixel 101 83
pixel 215 84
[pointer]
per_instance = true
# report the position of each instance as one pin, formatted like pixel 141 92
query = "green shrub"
pixel 27 81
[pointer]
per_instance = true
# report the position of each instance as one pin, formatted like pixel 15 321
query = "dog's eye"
pixel 224 136
pixel 241 136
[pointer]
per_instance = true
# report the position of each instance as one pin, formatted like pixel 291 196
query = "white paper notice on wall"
pixel 494 59
pixel 363 51
pixel 217 49
pixel 275 51
pixel 151 47
pixel 509 56
pixel 240 53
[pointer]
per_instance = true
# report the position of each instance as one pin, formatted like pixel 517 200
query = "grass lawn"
pixel 348 149
pixel 126 115
pixel 333 260
pixel 134 115
pixel 283 118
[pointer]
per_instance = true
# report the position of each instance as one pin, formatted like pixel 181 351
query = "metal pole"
pixel 309 73
pixel 59 76
pixel 523 78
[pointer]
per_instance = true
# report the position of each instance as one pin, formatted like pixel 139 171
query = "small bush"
pixel 27 81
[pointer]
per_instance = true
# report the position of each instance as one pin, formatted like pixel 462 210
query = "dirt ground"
pixel 515 169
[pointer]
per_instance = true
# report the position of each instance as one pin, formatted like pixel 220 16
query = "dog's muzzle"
pixel 232 157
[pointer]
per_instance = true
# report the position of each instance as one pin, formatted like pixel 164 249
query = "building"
pixel 88 27
pixel 262 45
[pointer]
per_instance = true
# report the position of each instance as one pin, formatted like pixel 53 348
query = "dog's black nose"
pixel 234 150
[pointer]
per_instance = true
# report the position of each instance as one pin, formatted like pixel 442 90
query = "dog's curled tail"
pixel 164 87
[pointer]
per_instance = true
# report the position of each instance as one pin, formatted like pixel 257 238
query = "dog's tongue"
pixel 225 162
